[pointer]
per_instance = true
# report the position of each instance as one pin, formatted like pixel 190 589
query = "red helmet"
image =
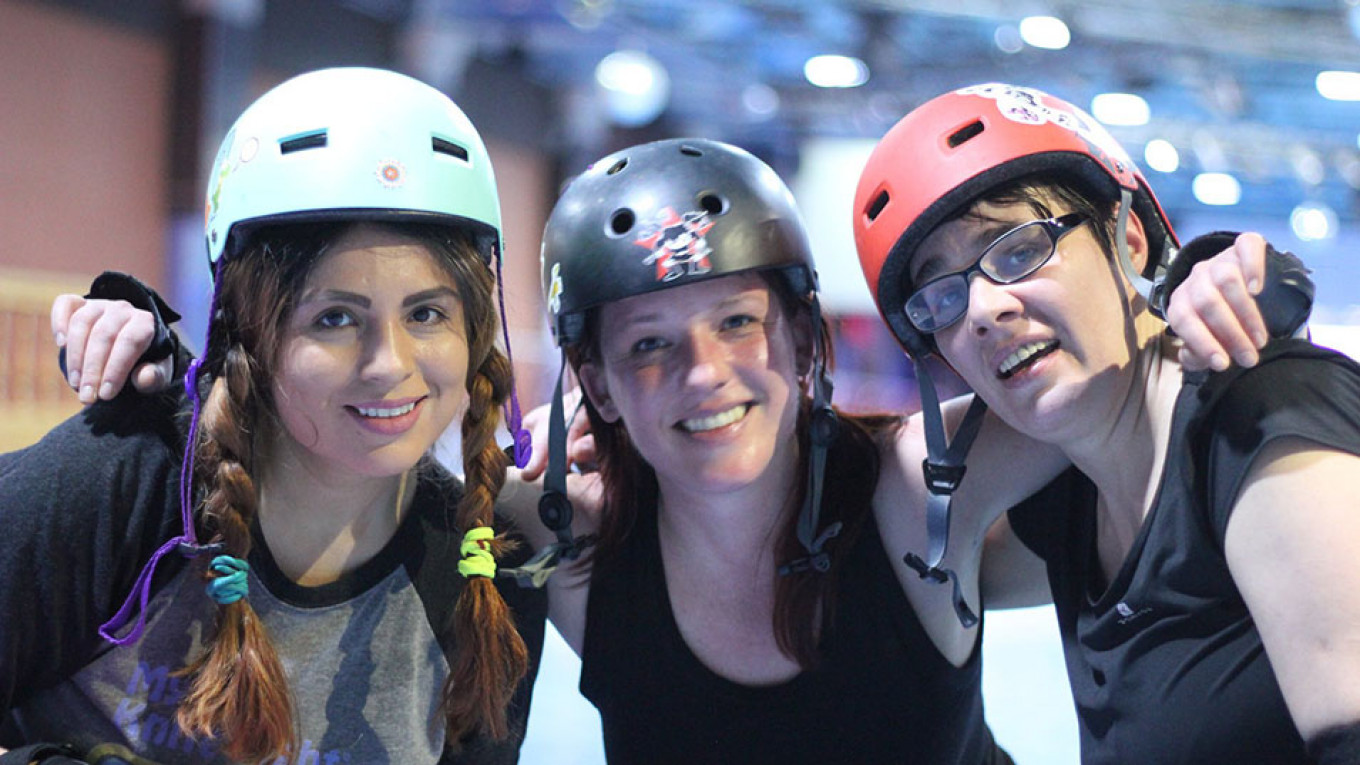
pixel 955 147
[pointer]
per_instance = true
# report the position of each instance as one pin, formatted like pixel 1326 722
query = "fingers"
pixel 104 339
pixel 1214 311
pixel 153 376
pixel 62 308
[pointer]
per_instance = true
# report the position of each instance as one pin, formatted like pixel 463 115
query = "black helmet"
pixel 663 214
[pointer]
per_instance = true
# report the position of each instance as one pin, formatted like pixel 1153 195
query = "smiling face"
pixel 1048 352
pixel 704 377
pixel 372 362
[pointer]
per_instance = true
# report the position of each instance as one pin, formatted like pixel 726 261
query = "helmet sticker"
pixel 1027 106
pixel 676 244
pixel 391 173
pixel 555 289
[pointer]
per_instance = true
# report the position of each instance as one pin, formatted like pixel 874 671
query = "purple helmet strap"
pixel 187 542
pixel 513 418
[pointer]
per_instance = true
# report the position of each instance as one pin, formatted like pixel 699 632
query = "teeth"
pixel 713 422
pixel 399 411
pixel 1021 355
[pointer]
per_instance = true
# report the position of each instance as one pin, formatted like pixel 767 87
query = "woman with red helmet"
pixel 1206 615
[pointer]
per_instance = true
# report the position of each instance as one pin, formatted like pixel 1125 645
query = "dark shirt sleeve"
pixel 1296 391
pixel 81 511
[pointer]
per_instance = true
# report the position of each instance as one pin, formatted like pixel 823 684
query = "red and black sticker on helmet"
pixel 1032 107
pixel 677 244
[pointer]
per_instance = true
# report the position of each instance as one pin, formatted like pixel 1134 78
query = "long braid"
pixel 238 691
pixel 491 657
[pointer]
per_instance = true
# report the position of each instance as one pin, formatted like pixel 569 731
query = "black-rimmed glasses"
pixel 1010 258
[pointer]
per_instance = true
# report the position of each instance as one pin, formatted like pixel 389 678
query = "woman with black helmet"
pixel 351 612
pixel 1202 551
pixel 727 614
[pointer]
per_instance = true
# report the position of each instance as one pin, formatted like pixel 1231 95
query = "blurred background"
pixel 1243 115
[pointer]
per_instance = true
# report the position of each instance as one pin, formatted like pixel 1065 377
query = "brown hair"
pixel 238 691
pixel 849 479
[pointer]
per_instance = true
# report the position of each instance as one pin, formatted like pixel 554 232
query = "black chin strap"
pixel 822 427
pixel 554 508
pixel 944 468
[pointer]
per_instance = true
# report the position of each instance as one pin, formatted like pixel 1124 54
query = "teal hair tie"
pixel 232 580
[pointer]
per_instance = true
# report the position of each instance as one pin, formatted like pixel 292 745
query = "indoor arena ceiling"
pixel 1230 84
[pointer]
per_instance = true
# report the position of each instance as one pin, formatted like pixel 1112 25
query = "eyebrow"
pixel 362 301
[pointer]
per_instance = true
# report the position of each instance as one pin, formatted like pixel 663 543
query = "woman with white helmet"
pixel 351 613
pixel 1201 553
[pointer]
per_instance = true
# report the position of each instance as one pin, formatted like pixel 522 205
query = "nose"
pixel 990 304
pixel 709 363
pixel 391 354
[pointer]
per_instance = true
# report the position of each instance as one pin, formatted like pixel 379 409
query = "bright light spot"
pixel 1219 189
pixel 1339 86
pixel 835 71
pixel 1120 109
pixel 760 99
pixel 1008 39
pixel 1161 156
pixel 1047 32
pixel 636 86
pixel 1313 222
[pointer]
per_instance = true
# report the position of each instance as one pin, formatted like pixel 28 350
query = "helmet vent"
pixel 444 146
pixel 617 167
pixel 691 151
pixel 315 139
pixel 713 203
pixel 965 133
pixel 876 206
pixel 621 222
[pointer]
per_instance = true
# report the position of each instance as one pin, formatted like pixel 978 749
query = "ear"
pixel 1136 235
pixel 592 379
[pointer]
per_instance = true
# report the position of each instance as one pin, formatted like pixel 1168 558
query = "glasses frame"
pixel 1056 228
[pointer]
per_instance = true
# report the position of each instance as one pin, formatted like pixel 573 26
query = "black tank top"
pixel 881 694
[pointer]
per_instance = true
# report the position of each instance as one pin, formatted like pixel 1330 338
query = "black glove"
pixel 1286 297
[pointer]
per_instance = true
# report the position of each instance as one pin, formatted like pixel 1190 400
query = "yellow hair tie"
pixel 476 551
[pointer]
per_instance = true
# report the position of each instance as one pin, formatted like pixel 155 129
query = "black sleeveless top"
pixel 881 694
pixel 1165 661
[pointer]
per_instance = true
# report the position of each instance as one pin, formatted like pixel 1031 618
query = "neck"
pixel 1124 455
pixel 321 526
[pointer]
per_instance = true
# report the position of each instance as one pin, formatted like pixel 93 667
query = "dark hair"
pixel 239 692
pixel 1076 196
pixel 851 474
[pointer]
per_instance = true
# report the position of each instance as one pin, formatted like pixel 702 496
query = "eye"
pixel 738 321
pixel 648 345
pixel 428 314
pixel 335 318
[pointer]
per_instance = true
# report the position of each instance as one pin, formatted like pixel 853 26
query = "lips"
pixel 387 417
pixel 386 412
pixel 714 421
pixel 1023 356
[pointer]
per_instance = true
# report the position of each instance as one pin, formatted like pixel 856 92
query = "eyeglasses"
pixel 1010 258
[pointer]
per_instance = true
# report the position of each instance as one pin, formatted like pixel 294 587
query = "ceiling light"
pixel 1161 156
pixel 830 71
pixel 1047 32
pixel 636 86
pixel 1008 39
pixel 1120 109
pixel 760 100
pixel 1218 189
pixel 1339 86
pixel 1313 222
